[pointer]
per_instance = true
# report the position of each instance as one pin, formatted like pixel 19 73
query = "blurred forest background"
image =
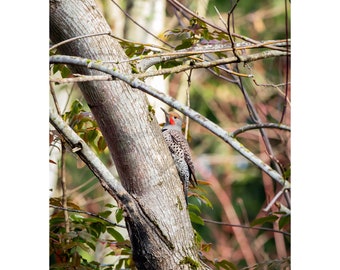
pixel 238 191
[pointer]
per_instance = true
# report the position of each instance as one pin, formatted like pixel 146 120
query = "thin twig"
pixel 187 90
pixel 258 126
pixel 287 69
pixel 232 59
pixel 139 43
pixel 78 37
pixel 245 226
pixel 277 87
pixel 230 13
pixel 55 100
pixel 139 25
pixel 145 61
pixel 276 197
pixel 63 186
pixel 87 213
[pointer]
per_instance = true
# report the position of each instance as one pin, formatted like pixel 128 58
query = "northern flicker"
pixel 179 148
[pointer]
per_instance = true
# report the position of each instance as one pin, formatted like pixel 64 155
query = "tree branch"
pixel 245 226
pixel 109 183
pixel 87 213
pixel 222 61
pixel 215 129
pixel 147 61
pixel 82 78
pixel 258 126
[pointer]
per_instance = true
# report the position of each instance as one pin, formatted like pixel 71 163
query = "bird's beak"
pixel 166 114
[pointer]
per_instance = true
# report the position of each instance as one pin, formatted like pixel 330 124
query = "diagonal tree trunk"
pixel 157 220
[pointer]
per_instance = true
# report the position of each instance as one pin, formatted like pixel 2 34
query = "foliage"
pixel 85 126
pixel 71 249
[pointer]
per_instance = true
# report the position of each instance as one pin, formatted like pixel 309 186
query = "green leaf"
pixel 94 220
pixel 194 208
pixel 56 68
pixel 284 220
pixel 205 200
pixel 262 220
pixel 195 218
pixel 105 214
pixel 92 135
pixel 101 143
pixel 58 220
pixel 91 245
pixel 110 205
pixel 76 218
pixel 76 107
pixel 65 71
pixel 119 215
pixel 115 234
pixel 186 43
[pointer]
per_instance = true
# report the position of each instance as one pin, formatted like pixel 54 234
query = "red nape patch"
pixel 172 121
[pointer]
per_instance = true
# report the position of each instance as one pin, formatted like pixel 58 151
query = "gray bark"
pixel 157 220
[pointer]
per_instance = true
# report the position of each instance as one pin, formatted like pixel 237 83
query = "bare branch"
pixel 258 126
pixel 145 61
pixel 215 129
pixel 87 213
pixel 245 226
pixel 78 37
pixel 136 23
pixel 233 59
pixel 276 197
pixel 109 183
pixel 82 78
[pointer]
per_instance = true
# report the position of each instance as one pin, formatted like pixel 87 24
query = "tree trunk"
pixel 157 220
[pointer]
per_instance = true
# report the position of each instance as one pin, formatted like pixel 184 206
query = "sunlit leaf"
pixel 115 234
pixel 195 218
pixel 76 217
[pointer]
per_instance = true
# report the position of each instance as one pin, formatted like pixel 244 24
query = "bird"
pixel 179 149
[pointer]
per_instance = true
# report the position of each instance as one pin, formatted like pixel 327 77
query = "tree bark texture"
pixel 156 216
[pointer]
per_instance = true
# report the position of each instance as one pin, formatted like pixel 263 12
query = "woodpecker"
pixel 179 148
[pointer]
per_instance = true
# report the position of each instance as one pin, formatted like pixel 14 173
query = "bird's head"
pixel 172 119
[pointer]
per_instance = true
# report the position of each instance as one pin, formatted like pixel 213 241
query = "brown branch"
pixel 78 37
pixel 258 126
pixel 147 61
pixel 87 213
pixel 228 29
pixel 287 75
pixel 139 25
pixel 245 226
pixel 233 59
